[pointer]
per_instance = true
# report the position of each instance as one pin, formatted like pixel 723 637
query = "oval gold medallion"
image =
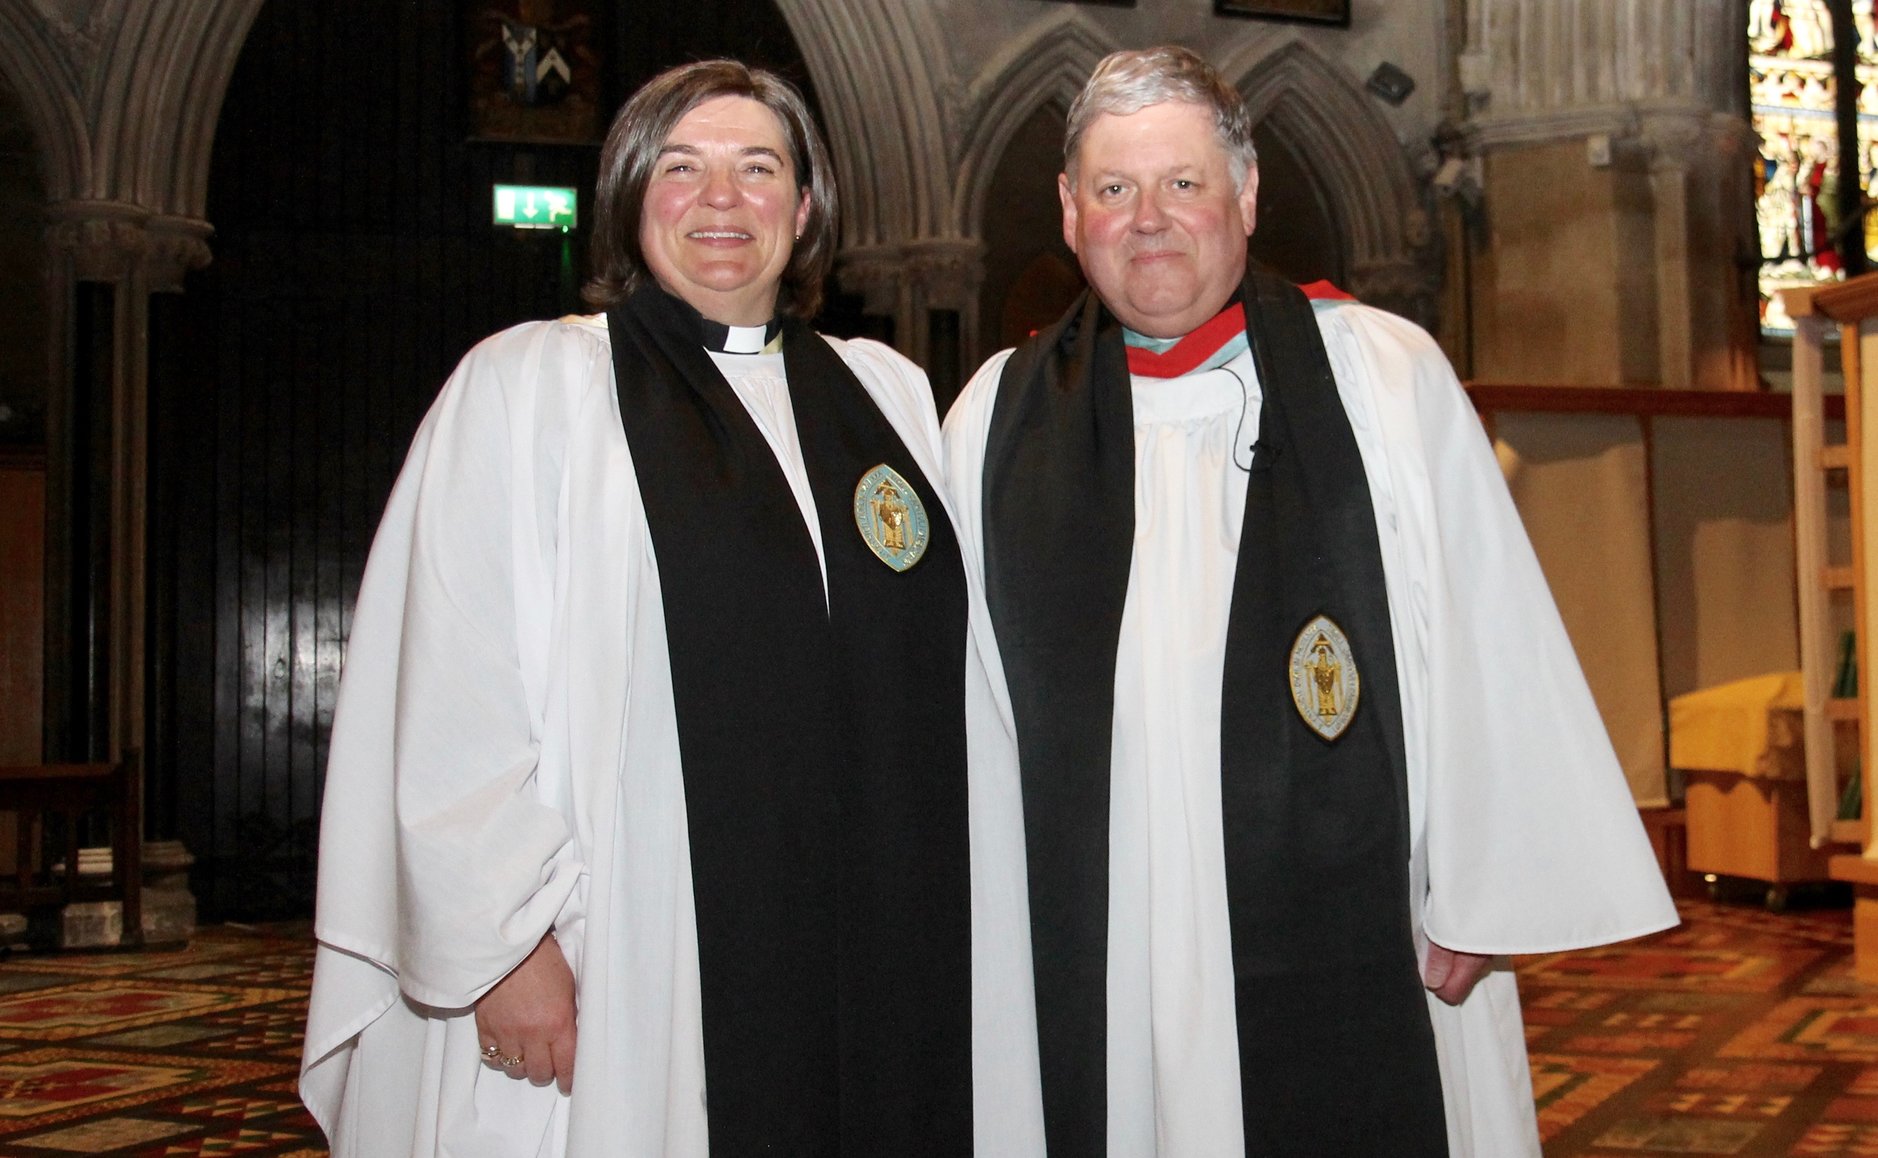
pixel 890 517
pixel 1324 682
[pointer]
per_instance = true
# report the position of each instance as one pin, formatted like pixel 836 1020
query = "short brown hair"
pixel 632 151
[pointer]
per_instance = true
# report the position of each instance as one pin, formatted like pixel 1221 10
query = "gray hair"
pixel 632 151
pixel 1129 81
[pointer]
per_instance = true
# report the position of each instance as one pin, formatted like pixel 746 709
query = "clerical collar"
pixel 722 339
pixel 743 339
pixel 1212 344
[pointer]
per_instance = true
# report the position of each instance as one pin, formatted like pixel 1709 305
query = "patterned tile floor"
pixel 1740 1033
pixel 184 1052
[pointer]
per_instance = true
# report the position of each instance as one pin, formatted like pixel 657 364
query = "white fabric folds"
pixel 505 762
pixel 1524 836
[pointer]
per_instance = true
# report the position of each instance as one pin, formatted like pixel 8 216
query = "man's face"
pixel 1154 218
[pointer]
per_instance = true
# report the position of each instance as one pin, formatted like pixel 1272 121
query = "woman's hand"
pixel 526 1021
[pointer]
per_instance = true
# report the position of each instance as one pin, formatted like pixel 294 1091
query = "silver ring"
pixel 506 1062
pixel 491 1052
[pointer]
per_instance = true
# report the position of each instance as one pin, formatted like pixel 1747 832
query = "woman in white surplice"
pixel 528 870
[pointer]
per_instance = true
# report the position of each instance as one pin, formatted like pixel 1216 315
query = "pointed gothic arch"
pixel 125 113
pixel 1321 113
pixel 162 126
pixel 43 78
pixel 139 134
pixel 1047 67
pixel 870 61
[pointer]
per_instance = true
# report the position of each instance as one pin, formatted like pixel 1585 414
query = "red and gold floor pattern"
pixel 1740 1033
pixel 184 1052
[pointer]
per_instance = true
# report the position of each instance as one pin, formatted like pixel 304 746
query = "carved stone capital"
pixel 110 240
pixel 1673 135
pixel 949 271
pixel 106 239
pixel 175 246
pixel 945 271
pixel 875 272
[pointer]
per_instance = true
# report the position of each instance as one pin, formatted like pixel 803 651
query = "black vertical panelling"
pixel 354 264
pixel 77 686
pixel 212 789
pixel 184 471
pixel 162 629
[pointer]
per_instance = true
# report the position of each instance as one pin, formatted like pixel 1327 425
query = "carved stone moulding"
pixel 105 239
pixel 1485 134
pixel 1674 134
pixel 874 272
pixel 110 240
pixel 177 246
pixel 947 271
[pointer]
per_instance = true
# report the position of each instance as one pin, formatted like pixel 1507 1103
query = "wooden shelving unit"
pixel 1852 307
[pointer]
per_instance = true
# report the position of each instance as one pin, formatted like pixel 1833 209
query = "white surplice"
pixel 1524 838
pixel 505 762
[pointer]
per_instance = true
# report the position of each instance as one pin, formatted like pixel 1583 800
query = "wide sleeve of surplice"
pixel 1532 841
pixel 441 861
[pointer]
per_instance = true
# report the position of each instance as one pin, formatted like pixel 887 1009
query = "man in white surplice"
pixel 1520 836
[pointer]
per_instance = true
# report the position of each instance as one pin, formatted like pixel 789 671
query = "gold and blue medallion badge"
pixel 890 517
pixel 1324 683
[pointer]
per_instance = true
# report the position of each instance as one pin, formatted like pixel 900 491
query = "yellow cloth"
pixel 1750 726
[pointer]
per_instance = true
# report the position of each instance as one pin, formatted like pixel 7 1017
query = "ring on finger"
pixel 509 1060
pixel 492 1052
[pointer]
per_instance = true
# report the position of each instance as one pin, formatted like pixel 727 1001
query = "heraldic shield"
pixel 891 518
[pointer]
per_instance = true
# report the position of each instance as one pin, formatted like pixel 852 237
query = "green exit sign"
pixel 535 207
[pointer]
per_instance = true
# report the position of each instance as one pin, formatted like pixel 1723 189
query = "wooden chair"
pixel 73 791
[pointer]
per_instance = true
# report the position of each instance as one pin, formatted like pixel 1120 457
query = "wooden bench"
pixel 72 792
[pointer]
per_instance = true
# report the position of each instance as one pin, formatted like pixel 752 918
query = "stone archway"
pixel 1310 104
pixel 23 327
pixel 886 126
pixel 1043 70
pixel 1018 101
pixel 872 65
pixel 47 82
pixel 123 107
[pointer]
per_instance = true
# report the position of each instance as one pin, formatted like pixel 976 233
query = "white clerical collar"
pixel 745 339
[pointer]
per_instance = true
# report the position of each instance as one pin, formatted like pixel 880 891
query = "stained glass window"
pixel 1796 178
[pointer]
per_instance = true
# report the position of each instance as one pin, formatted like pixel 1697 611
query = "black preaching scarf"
pixel 1336 1050
pixel 824 756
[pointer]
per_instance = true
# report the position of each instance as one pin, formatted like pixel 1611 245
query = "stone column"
pixel 1610 218
pixel 946 274
pixel 107 258
pixel 918 284
pixel 1671 140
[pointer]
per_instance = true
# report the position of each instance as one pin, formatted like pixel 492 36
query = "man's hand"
pixel 1451 975
pixel 527 1019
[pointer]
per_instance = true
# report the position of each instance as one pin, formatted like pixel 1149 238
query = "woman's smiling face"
pixel 722 211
